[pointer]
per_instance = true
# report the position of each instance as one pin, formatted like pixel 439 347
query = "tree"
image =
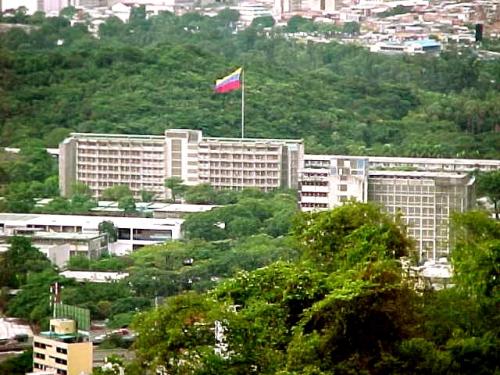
pixel 19 198
pixel 263 22
pixel 200 194
pixel 127 204
pixel 18 365
pixel 117 192
pixel 19 260
pixel 176 186
pixel 351 28
pixel 488 183
pixel 109 228
pixel 68 12
pixel 147 196
pixel 342 237
pixel 476 255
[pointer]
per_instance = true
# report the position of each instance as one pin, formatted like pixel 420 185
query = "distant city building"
pixel 410 47
pixel 144 162
pixel 57 246
pixel 249 10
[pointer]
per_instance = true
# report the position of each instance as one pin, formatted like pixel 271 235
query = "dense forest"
pixel 345 305
pixel 158 73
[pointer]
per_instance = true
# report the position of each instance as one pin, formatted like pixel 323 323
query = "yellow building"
pixel 62 350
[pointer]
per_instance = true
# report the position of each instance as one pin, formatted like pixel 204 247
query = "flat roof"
pixel 112 206
pixel 117 136
pixel 416 174
pixel 95 277
pixel 253 140
pixel 87 222
pixel 493 162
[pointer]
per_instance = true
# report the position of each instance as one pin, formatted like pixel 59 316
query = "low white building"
pixel 133 232
pixel 94 277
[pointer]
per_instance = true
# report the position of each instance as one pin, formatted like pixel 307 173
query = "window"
pixel 152 234
pixel 124 233
pixel 343 187
pixel 62 350
pixel 61 361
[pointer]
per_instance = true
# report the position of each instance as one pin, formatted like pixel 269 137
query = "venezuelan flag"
pixel 229 83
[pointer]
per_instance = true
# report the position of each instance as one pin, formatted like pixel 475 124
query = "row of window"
pixel 313 194
pixel 208 164
pixel 256 181
pixel 314 205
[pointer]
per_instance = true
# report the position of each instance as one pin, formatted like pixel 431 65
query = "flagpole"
pixel 242 103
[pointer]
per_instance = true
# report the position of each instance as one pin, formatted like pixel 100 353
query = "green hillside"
pixel 154 74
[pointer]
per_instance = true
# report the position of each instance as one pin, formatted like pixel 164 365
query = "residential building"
pixel 144 162
pixel 62 350
pixel 133 232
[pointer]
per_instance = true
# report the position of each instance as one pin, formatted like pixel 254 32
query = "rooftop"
pixel 94 277
pixel 87 222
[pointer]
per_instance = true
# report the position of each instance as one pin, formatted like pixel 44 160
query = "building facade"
pixel 133 232
pixel 327 181
pixel 144 162
pixel 62 350
pixel 424 199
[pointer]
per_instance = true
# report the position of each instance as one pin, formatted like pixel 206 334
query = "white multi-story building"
pixel 328 181
pixel 425 199
pixel 144 162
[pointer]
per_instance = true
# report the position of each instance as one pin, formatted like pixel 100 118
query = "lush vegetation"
pixel 343 308
pixel 247 234
pixel 149 75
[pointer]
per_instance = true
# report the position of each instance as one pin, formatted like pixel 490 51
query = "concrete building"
pixel 144 162
pixel 425 199
pixel 62 350
pixel 328 181
pixel 133 232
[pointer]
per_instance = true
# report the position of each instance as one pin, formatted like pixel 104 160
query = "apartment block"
pixel 62 350
pixel 144 162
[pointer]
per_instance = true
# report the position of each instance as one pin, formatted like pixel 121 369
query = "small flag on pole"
pixel 229 83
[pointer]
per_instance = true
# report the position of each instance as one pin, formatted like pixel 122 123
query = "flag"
pixel 229 83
